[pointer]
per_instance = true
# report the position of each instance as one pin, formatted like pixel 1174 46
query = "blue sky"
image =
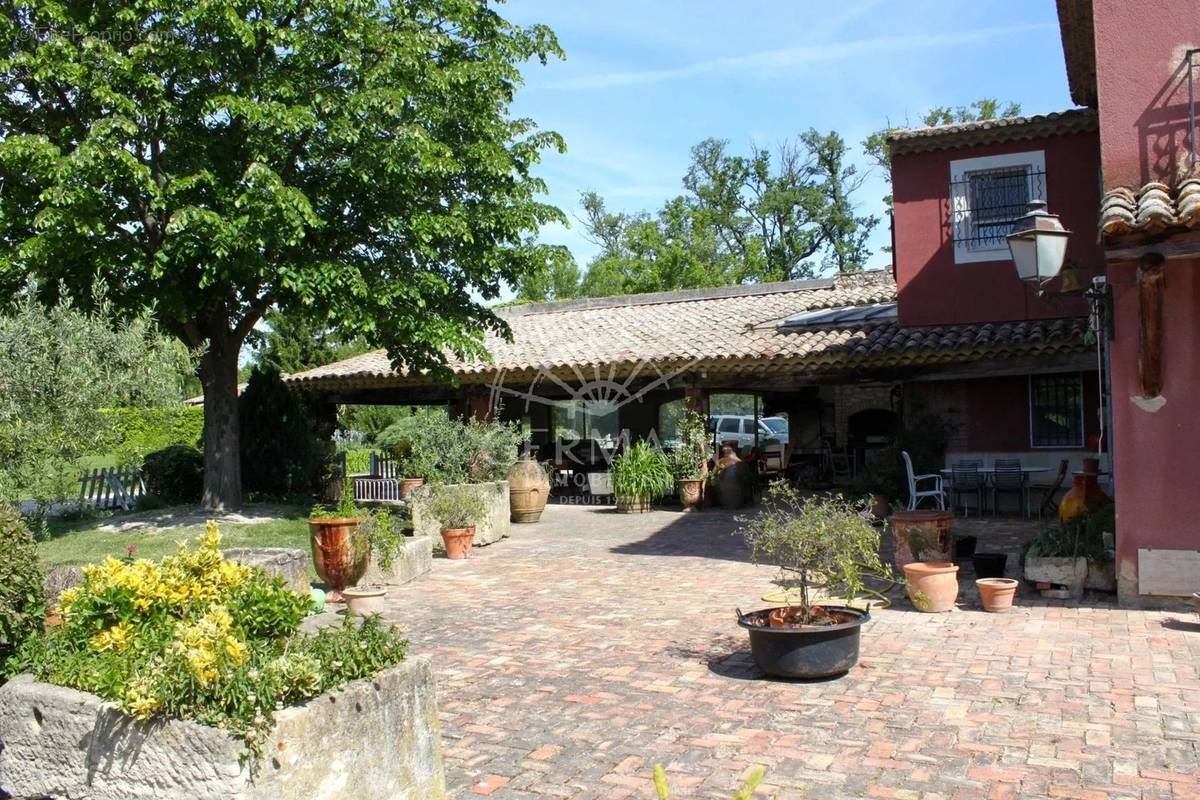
pixel 644 81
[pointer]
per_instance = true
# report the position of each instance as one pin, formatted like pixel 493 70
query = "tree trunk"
pixel 222 448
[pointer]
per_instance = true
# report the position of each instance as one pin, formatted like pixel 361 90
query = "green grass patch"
pixel 75 543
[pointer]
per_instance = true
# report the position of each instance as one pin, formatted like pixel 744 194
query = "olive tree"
pixel 350 161
pixel 60 367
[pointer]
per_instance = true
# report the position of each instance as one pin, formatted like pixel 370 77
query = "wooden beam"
pixel 1168 245
pixel 1151 276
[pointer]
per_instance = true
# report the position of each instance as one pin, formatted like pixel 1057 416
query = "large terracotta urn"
pixel 340 553
pixel 1085 494
pixel 528 490
pixel 922 536
pixel 732 479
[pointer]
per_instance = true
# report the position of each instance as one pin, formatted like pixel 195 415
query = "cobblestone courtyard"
pixel 575 655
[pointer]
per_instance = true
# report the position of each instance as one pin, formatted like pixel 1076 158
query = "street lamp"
pixel 1038 244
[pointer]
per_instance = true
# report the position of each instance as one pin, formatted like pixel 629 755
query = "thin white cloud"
pixel 770 63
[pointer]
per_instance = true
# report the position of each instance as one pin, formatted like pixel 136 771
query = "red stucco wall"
pixel 998 413
pixel 1156 454
pixel 933 289
pixel 1142 87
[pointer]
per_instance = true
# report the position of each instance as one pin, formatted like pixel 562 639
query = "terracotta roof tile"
pixel 1151 209
pixel 722 330
pixel 1006 129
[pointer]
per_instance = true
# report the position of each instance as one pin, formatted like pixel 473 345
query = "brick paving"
pixel 575 655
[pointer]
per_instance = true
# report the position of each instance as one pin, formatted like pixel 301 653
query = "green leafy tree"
pixel 352 161
pixel 284 455
pixel 294 343
pixel 60 368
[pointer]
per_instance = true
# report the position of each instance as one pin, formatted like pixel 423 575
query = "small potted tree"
pixel 457 508
pixel 640 476
pixel 690 459
pixel 819 543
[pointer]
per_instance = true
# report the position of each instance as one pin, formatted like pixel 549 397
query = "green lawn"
pixel 73 543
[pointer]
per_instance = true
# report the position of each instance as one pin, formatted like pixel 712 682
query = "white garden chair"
pixel 915 491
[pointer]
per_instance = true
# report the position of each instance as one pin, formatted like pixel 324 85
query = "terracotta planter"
pixel 996 594
pixel 932 585
pixel 922 536
pixel 1084 497
pixel 364 600
pixel 458 542
pixel 528 490
pixel 337 560
pixel 408 484
pixel 690 493
pixel 633 505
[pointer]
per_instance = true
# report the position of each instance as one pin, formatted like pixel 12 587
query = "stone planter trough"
pixel 371 739
pixel 493 527
pixel 416 560
pixel 289 563
pixel 1069 572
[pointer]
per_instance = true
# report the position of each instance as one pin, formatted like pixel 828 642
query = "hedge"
pixel 139 431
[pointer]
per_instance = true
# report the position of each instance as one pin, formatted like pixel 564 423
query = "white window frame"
pixel 960 173
pixel 1082 441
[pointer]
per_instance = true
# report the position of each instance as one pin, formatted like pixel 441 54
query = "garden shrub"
pixel 139 431
pixel 175 474
pixel 22 592
pixel 444 450
pixel 197 637
pixel 358 462
pixel 280 451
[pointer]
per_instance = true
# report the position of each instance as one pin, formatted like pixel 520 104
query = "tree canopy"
pixel 767 216
pixel 351 161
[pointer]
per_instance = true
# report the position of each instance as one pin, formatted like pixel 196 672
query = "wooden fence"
pixel 111 488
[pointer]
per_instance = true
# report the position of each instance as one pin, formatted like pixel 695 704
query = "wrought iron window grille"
pixel 987 203
pixel 1056 410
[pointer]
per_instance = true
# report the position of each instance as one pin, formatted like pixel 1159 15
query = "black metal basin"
pixel 820 651
pixel 989 565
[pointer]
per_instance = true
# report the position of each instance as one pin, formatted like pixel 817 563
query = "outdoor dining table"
pixel 987 472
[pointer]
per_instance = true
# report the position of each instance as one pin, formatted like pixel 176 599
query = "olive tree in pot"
pixel 819 543
pixel 689 460
pixel 640 476
pixel 457 508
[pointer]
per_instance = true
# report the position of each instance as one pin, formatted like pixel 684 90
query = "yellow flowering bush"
pixel 195 636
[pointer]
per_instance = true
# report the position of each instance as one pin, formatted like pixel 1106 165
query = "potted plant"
pixel 640 476
pixel 1060 558
pixel 689 460
pixel 879 482
pixel 457 508
pixel 340 548
pixel 413 463
pixel 818 543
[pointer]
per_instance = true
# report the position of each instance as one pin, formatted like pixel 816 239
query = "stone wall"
pixel 492 528
pixel 372 739
pixel 848 400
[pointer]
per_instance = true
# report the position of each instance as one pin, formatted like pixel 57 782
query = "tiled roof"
pixel 1079 49
pixel 1151 209
pixel 991 131
pixel 721 330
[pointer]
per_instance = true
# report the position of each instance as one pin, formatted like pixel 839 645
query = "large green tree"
pixel 351 160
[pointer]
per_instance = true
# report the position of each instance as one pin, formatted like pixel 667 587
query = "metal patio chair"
pixel 1050 491
pixel 915 493
pixel 965 478
pixel 1009 478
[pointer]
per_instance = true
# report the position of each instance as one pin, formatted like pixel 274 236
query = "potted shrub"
pixel 1058 559
pixel 457 508
pixel 817 542
pixel 689 460
pixel 343 538
pixel 879 482
pixel 413 464
pixel 640 476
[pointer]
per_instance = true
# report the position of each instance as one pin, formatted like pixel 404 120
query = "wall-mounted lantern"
pixel 1038 245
